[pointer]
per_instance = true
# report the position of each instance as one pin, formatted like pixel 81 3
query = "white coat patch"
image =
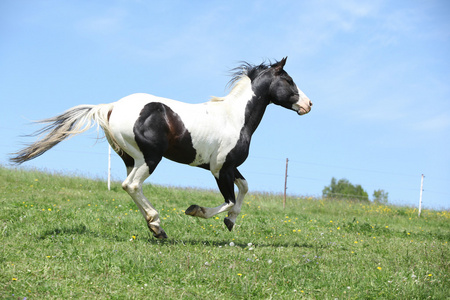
pixel 214 126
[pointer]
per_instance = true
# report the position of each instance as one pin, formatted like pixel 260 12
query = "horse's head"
pixel 284 92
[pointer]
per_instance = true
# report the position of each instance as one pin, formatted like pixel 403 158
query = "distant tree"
pixel 380 196
pixel 343 189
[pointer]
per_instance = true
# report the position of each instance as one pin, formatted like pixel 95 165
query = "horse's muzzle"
pixel 303 108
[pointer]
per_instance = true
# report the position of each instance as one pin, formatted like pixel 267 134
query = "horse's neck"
pixel 254 113
pixel 243 102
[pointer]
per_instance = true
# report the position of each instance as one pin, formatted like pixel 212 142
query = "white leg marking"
pixel 208 212
pixel 133 186
pixel 233 209
pixel 236 209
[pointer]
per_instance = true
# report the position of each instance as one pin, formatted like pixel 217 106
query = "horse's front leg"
pixel 242 185
pixel 225 182
pixel 207 212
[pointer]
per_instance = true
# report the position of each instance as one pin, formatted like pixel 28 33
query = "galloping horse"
pixel 214 135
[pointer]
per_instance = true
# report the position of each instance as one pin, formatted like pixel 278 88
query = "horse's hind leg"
pixel 128 160
pixel 133 186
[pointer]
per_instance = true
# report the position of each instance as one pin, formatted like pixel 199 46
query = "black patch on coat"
pixel 159 132
pixel 127 159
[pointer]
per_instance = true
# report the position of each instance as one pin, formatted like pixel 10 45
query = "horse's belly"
pixel 212 143
pixel 213 133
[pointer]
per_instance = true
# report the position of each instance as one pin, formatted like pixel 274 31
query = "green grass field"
pixel 69 237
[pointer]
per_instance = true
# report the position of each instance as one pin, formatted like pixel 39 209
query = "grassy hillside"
pixel 68 237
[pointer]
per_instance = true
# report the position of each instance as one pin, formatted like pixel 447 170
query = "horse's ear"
pixel 279 65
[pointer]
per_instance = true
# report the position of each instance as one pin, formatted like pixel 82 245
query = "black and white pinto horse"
pixel 214 135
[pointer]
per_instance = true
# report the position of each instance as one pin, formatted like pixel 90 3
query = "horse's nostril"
pixel 310 103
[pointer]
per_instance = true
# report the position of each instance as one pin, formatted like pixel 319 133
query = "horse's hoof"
pixel 161 235
pixel 228 223
pixel 191 210
pixel 195 211
pixel 158 232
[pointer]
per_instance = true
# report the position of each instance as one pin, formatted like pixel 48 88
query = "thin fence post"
pixel 421 190
pixel 285 183
pixel 109 167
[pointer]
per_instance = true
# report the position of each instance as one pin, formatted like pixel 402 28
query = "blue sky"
pixel 378 73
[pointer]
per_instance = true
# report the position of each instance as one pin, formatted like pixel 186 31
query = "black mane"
pixel 247 69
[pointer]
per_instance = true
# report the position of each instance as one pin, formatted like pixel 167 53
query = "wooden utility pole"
pixel 421 190
pixel 285 183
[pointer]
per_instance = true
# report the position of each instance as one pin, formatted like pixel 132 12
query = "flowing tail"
pixel 72 122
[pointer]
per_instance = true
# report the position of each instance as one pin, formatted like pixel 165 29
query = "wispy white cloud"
pixel 324 21
pixel 436 123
